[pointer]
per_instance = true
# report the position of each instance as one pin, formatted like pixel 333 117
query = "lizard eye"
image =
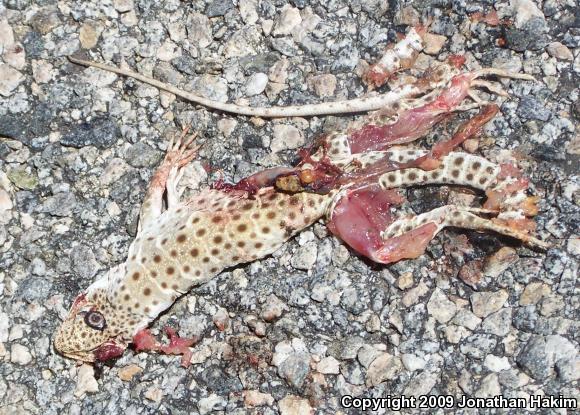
pixel 95 320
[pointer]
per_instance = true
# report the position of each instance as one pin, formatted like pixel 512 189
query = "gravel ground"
pixel 476 315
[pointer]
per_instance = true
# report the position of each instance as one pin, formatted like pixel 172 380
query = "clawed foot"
pixel 145 341
pixel 490 86
pixel 179 152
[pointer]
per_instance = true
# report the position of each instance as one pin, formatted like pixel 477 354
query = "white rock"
pixel 248 11
pixel 98 78
pixel 305 256
pixel 384 367
pixel 549 67
pixel 279 71
pixel 434 43
pixel 86 381
pixel 328 366
pixel 20 355
pixel 4 326
pixel 15 56
pixel 176 31
pixel 212 87
pixel 227 126
pixel 294 405
pixel 440 307
pixel 289 18
pixel 286 137
pixel 496 364
pixel 244 42
pixel 454 334
pixel 130 18
pixel 123 6
pixel 199 30
pixel 559 51
pixel 489 387
pixel 154 394
pixel 367 354
pixel 253 398
pixel 5 204
pixel 16 332
pixel 6 34
pixel 10 78
pixel 560 347
pixel 524 10
pixel 42 71
pixel 466 318
pixel 211 403
pixel 485 303
pixel 412 296
pixel 413 362
pixel 168 51
pixel 281 352
pixel 256 84
pixel 324 85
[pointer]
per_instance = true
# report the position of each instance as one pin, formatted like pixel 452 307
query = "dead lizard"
pixel 350 181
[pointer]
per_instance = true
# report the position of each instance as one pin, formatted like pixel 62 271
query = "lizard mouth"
pixel 108 350
pixel 104 352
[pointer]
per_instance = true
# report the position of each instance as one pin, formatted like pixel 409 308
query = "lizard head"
pixel 95 329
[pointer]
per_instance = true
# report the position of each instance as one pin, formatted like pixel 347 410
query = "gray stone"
pixel 295 368
pixel 286 137
pixel 44 20
pixel 385 367
pixel 498 323
pixel 10 78
pixel 440 307
pixel 351 301
pixel 485 303
pixel 535 359
pixel 478 346
pixel 352 372
pixel 532 109
pixel 259 63
pixel 100 132
pixel 143 155
pixel 199 30
pixel 285 46
pixel 218 8
pixel 34 289
pixel 61 204
pixel 532 36
pixel 33 44
pixel 568 368
pixel 346 349
pixel 84 263
pixel 256 84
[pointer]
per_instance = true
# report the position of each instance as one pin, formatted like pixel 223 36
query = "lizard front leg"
pixel 166 177
pixel 145 341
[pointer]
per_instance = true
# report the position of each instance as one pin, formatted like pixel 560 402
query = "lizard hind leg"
pixel 442 217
